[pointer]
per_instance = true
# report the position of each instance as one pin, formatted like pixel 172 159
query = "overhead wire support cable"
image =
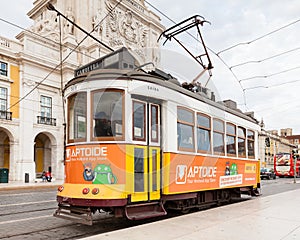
pixel 43 37
pixel 221 59
pixel 55 68
pixel 271 86
pixel 265 59
pixel 270 75
pixel 258 38
pixel 52 8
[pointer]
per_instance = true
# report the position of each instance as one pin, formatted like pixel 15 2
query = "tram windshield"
pixel 77 116
pixel 107 113
pixel 283 159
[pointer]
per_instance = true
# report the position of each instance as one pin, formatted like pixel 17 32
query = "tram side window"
pixel 218 137
pixel 107 112
pixel 203 133
pixel 230 139
pixel 241 142
pixel 154 124
pixel 185 129
pixel 139 117
pixel 77 117
pixel 251 141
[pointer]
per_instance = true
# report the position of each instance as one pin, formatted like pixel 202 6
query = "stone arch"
pixel 44 152
pixel 5 139
pixel 6 149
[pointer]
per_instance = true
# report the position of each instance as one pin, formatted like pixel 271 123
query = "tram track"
pixel 60 229
pixel 27 211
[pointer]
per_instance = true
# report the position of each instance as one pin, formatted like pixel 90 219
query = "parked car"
pixel 267 173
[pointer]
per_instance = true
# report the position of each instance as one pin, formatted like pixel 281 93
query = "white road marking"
pixel 17 194
pixel 24 219
pixel 26 203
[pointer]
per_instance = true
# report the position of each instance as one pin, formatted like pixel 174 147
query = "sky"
pixel 253 45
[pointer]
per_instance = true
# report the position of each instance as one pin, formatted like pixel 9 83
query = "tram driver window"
pixel 107 113
pixel 77 117
pixel 102 125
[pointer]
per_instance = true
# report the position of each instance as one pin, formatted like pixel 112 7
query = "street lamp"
pixel 295 155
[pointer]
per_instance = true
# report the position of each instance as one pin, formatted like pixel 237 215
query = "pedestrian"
pixel 44 176
pixel 48 176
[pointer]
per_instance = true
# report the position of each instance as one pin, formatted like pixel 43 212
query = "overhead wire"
pixel 43 37
pixel 271 86
pixel 219 57
pixel 259 38
pixel 217 54
pixel 265 59
pixel 249 42
pixel 270 75
pixel 65 58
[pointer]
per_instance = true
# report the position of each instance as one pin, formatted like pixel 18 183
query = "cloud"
pixel 232 22
pixel 239 21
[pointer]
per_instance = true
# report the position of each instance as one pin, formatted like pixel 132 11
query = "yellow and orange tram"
pixel 140 144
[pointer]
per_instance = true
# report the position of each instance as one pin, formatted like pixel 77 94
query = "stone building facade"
pixel 35 67
pixel 271 143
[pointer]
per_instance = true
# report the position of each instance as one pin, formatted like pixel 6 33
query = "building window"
pixel 218 136
pixel 241 142
pixel 3 99
pixel 3 69
pixel 251 141
pixel 107 114
pixel 185 129
pixel 46 106
pixel 77 105
pixel 230 139
pixel 203 133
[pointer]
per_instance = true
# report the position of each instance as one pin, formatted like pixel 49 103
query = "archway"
pixel 42 154
pixel 4 150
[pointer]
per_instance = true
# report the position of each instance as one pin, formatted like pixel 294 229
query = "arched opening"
pixel 5 155
pixel 4 150
pixel 42 154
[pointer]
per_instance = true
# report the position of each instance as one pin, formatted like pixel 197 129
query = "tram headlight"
pixel 60 188
pixel 85 190
pixel 95 191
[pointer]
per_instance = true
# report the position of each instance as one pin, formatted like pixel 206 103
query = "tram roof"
pixel 171 83
pixel 121 64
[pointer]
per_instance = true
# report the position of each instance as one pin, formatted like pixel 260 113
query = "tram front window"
pixel 107 113
pixel 77 117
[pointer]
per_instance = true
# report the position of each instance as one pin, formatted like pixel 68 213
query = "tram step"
pixel 75 214
pixel 145 210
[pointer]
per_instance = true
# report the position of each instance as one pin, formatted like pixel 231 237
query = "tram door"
pixel 146 151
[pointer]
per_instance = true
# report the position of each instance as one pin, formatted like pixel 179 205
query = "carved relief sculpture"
pixel 69 27
pixel 97 22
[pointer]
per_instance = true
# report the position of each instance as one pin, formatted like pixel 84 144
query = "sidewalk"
pixel 275 217
pixel 12 185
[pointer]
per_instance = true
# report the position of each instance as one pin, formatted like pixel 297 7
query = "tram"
pixel 140 144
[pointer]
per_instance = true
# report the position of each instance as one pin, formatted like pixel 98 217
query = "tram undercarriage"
pixel 137 211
